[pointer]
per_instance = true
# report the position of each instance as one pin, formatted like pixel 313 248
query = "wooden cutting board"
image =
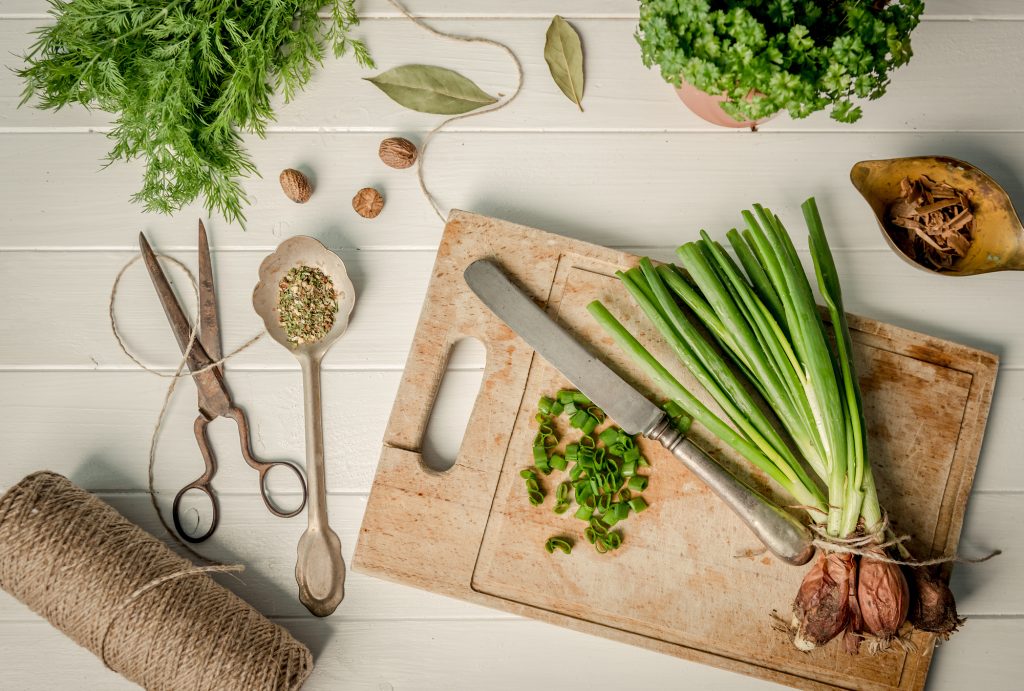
pixel 684 582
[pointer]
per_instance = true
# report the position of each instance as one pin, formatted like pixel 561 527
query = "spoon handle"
pixel 319 569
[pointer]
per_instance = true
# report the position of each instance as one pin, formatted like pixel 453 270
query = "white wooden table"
pixel 71 402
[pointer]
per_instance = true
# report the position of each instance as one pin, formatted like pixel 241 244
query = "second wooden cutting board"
pixel 680 584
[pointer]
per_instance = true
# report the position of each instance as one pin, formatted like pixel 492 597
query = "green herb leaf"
pixel 431 89
pixel 564 56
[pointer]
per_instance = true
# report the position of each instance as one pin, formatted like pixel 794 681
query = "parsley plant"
pixel 771 55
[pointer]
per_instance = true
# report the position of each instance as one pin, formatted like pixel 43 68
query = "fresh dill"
pixel 185 79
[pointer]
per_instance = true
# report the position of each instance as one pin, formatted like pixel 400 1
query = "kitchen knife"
pixel 780 532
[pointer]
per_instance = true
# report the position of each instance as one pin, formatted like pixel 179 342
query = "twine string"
pixel 873 543
pixel 120 609
pixel 491 109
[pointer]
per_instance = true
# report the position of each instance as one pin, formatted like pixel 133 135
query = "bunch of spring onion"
pixel 763 337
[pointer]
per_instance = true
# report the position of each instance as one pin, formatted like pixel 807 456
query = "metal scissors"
pixel 214 397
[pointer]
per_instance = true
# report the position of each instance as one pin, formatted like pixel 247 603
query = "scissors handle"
pixel 201 484
pixel 264 467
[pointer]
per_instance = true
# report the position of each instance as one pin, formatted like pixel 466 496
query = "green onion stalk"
pixel 763 337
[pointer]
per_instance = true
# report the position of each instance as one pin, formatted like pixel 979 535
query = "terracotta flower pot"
pixel 708 107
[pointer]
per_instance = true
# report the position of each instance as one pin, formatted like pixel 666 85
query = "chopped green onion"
pixel 638 483
pixel 562 492
pixel 601 467
pixel 578 419
pixel 561 543
pixel 617 512
pixel 637 504
pixel 585 510
pixel 540 459
pixel 549 406
pixel 547 439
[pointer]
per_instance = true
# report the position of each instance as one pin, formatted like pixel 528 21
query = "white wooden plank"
pixel 105 421
pixel 567 8
pixel 584 185
pixel 956 81
pixel 988 588
pixel 248 534
pixel 68 327
pixel 495 655
pixel 389 289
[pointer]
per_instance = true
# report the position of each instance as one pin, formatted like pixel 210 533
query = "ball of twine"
pixel 148 613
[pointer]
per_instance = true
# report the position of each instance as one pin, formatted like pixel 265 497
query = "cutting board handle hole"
pixel 453 404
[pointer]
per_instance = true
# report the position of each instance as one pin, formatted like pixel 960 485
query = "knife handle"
pixel 785 536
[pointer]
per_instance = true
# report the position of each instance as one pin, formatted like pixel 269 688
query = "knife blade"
pixel 780 532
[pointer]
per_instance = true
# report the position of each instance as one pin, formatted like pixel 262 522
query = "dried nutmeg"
pixel 295 185
pixel 397 152
pixel 368 202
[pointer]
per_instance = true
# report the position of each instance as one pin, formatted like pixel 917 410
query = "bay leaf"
pixel 564 55
pixel 431 89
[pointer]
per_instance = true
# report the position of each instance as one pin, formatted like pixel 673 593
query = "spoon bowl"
pixel 302 250
pixel 998 237
pixel 319 568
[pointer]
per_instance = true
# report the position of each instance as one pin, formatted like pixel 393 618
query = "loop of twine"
pixel 117 611
pixel 496 107
pixel 871 544
pixel 180 371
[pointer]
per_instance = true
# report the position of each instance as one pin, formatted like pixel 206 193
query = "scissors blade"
pixel 197 357
pixel 214 399
pixel 209 327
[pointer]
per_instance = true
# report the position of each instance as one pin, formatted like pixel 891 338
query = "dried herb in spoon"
pixel 307 304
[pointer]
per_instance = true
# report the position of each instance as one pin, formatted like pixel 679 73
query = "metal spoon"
pixel 319 569
pixel 998 237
